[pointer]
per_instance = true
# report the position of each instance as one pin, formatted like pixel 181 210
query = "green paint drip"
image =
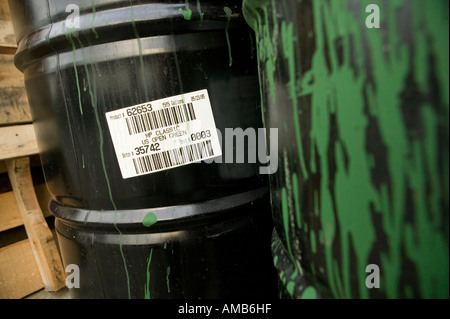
pixel 141 56
pixel 92 84
pixel 201 14
pixel 228 12
pixel 147 294
pixel 252 44
pixel 69 33
pixel 187 13
pixel 93 19
pixel 167 279
pixel 149 220
pixel 290 288
pixel 82 157
pixel 265 43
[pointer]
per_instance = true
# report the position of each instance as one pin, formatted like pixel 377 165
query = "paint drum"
pixel 206 255
pixel 172 75
pixel 361 200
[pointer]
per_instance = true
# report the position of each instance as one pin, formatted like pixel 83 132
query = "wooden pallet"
pixel 27 265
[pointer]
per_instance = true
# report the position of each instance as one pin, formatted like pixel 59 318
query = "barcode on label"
pixel 158 119
pixel 176 157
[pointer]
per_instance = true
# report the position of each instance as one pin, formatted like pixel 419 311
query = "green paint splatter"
pixel 353 100
pixel 149 220
pixel 187 13
pixel 309 293
pixel 288 41
pixel 228 12
pixel 290 288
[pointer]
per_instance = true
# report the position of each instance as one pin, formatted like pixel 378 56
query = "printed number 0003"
pixel 200 135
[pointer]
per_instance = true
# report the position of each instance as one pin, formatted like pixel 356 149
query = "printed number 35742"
pixel 145 149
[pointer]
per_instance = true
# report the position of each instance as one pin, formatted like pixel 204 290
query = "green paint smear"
pixel 149 220
pixel 187 14
pixel 228 12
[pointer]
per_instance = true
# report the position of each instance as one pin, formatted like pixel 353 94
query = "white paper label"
pixel 164 134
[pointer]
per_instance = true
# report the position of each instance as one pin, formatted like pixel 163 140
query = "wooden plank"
pixel 9 211
pixel 43 197
pixel 10 76
pixel 8 43
pixel 17 141
pixel 14 107
pixel 41 239
pixel 19 274
pixel 4 10
pixel 35 162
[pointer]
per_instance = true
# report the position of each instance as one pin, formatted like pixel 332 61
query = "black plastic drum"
pixel 136 220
